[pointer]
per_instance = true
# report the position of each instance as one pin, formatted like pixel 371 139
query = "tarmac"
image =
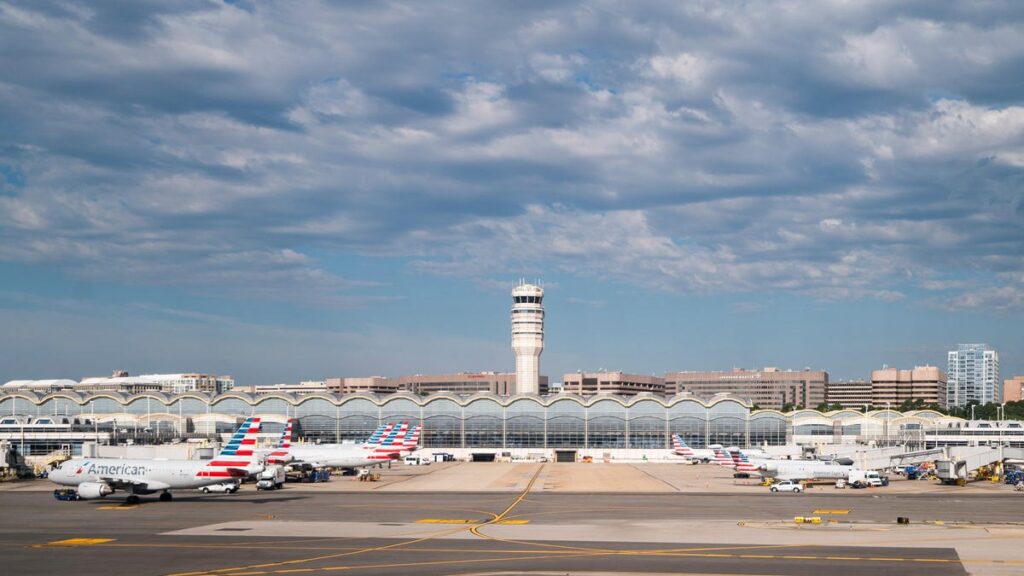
pixel 526 518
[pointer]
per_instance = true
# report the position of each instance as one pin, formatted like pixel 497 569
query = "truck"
pixel 864 478
pixel 272 478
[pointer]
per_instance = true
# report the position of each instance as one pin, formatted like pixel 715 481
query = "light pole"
pixel 972 412
pixel 887 416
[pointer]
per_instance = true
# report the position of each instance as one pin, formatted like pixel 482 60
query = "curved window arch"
pixel 142 406
pixel 768 428
pixel 358 418
pixel 317 420
pixel 566 424
pixel 58 406
pixel 606 425
pixel 102 405
pixel 188 406
pixel 647 420
pixel 689 419
pixel 524 424
pixel 273 406
pixel 233 406
pixel 400 410
pixel 485 424
pixel 442 424
pixel 8 406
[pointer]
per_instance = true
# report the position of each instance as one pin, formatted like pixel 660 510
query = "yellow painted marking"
pixel 444 521
pixel 512 522
pixel 118 507
pixel 833 512
pixel 80 542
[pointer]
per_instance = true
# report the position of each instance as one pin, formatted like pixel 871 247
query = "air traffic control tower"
pixel 527 335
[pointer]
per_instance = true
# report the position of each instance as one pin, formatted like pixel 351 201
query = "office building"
pixel 766 388
pixel 892 386
pixel 855 394
pixel 500 383
pixel 973 375
pixel 371 384
pixel 590 383
pixel 527 336
pixel 1013 389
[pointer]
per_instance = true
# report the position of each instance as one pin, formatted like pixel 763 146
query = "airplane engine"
pixel 93 490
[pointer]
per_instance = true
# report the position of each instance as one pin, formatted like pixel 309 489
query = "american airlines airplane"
pixel 789 469
pixel 99 477
pixel 391 444
pixel 693 454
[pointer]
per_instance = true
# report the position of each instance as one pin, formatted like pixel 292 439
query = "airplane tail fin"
pixel 237 459
pixel 391 446
pixel 412 442
pixel 281 455
pixel 382 432
pixel 721 458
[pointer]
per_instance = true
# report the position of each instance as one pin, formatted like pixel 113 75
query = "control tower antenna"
pixel 527 335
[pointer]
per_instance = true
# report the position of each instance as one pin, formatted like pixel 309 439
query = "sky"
pixel 284 191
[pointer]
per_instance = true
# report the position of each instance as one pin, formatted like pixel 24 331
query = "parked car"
pixel 222 488
pixel 787 486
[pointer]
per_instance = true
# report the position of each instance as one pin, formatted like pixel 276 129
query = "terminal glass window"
pixel 58 406
pixel 688 418
pixel 7 406
pixel 524 424
pixel 234 406
pixel 768 429
pixel 400 410
pixel 812 430
pixel 103 405
pixel 358 419
pixel 318 419
pixel 606 425
pixel 566 425
pixel 727 424
pixel 484 424
pixel 188 407
pixel 275 406
pixel 442 424
pixel 647 425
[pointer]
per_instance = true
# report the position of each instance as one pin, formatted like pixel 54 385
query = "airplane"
pixel 100 477
pixel 393 442
pixel 692 454
pixel 803 469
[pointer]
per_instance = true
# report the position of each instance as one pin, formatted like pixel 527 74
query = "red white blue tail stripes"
pixel 280 454
pixel 237 455
pixel 721 458
pixel 742 463
pixel 680 447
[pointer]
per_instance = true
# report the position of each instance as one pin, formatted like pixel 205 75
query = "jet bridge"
pixel 962 459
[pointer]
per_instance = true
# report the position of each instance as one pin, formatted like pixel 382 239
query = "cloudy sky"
pixel 294 190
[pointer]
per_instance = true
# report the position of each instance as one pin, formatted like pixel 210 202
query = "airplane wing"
pixel 123 484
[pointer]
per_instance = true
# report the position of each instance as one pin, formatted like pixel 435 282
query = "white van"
pixel 865 478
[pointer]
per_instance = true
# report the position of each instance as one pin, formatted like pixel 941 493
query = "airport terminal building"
pixel 520 425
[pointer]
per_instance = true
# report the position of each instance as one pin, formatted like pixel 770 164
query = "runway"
pixel 294 532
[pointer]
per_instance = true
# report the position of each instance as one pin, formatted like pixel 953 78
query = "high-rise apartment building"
pixel 767 388
pixel 527 335
pixel 973 372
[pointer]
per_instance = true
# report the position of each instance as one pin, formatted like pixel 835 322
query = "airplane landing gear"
pixel 165 497
pixel 133 499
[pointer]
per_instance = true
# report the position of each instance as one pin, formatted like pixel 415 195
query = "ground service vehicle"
pixel 271 478
pixel 787 486
pixel 865 478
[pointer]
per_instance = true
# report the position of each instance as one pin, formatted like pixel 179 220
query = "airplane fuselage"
pixel 155 474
